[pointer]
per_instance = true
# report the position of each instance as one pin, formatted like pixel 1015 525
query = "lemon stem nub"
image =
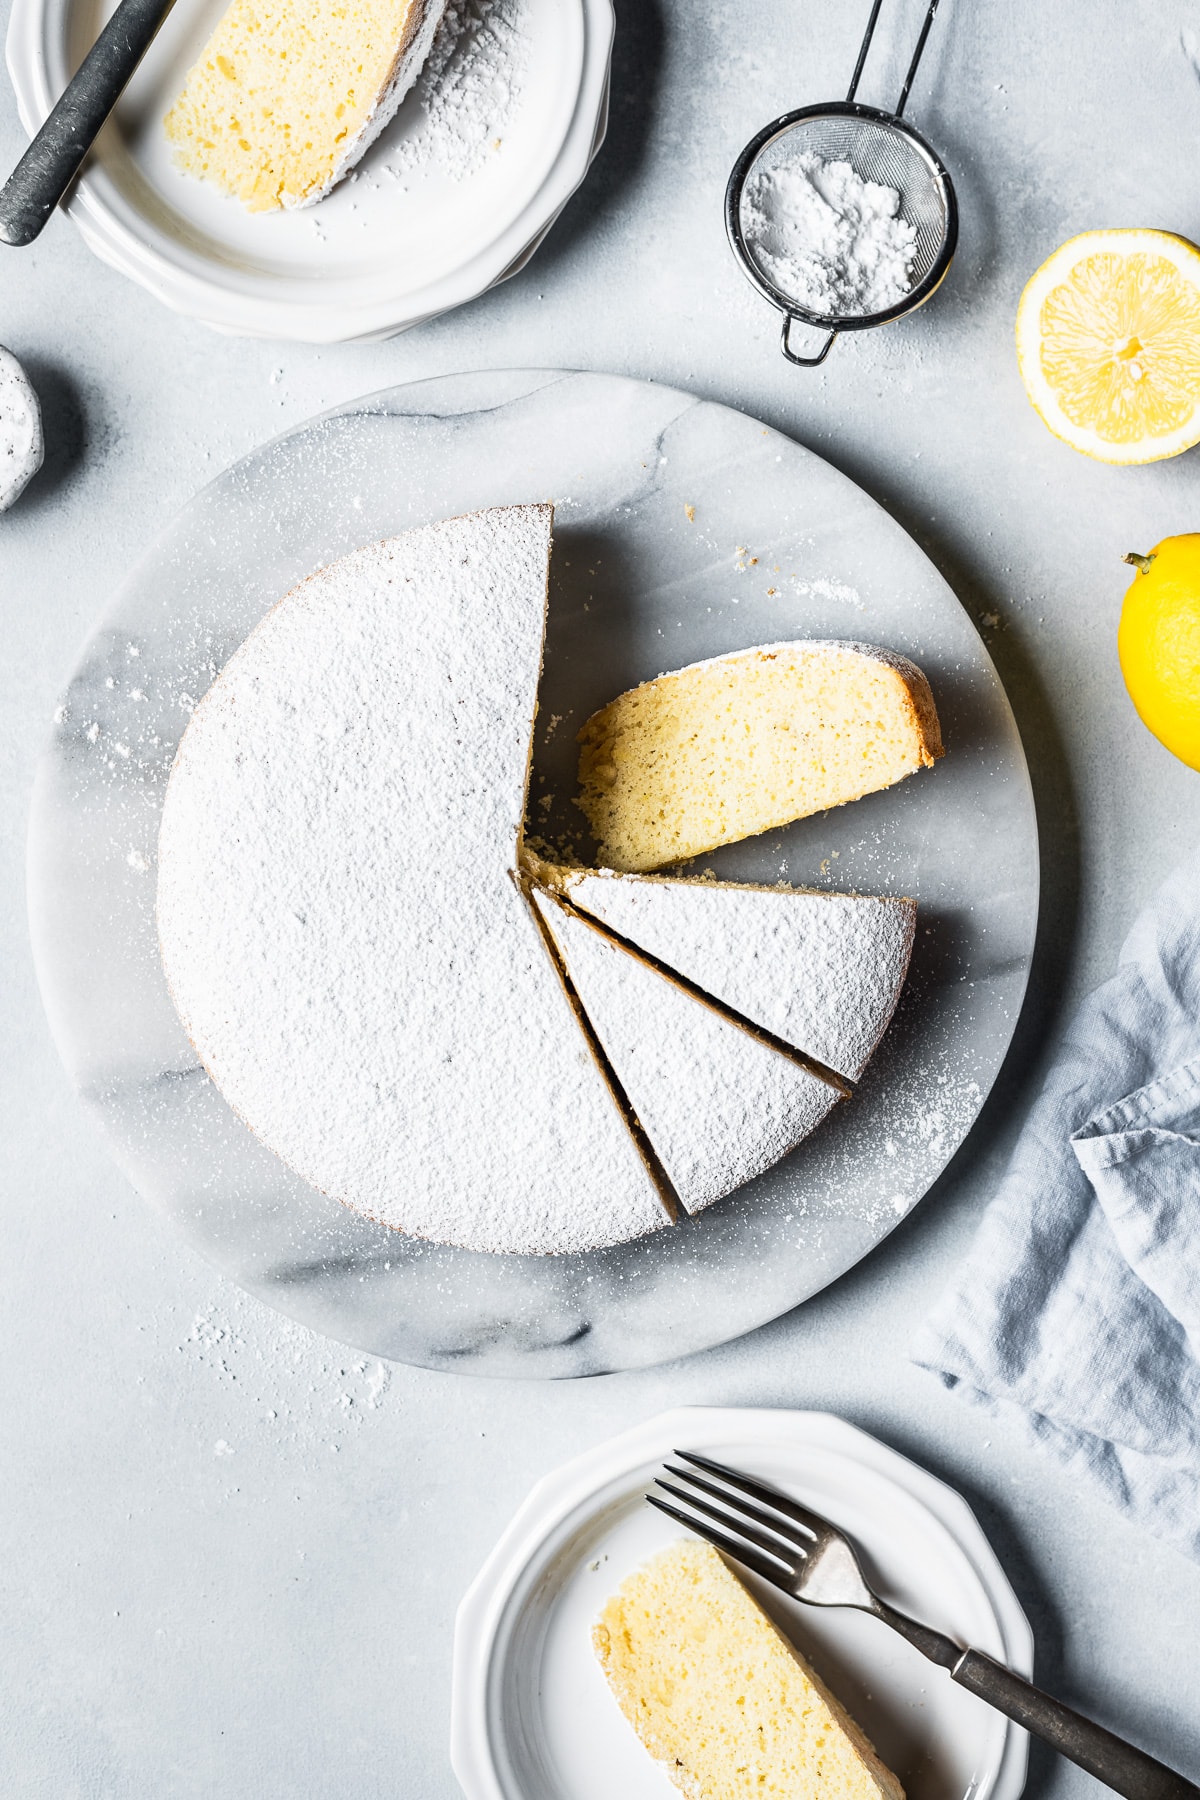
pixel 1142 563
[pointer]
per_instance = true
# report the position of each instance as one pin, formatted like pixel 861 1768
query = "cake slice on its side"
pixel 720 1698
pixel 284 99
pixel 717 1104
pixel 743 743
pixel 821 971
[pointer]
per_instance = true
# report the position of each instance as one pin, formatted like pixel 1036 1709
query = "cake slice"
pixel 821 971
pixel 741 744
pixel 339 925
pixel 717 1104
pixel 719 1696
pixel 284 99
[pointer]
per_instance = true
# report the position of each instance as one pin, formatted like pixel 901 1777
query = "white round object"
pixel 21 447
pixel 454 197
pixel 532 1717
pixel 340 926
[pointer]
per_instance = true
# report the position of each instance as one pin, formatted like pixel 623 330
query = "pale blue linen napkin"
pixel 1079 1303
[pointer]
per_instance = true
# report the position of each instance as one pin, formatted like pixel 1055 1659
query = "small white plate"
pixel 532 1717
pixel 398 242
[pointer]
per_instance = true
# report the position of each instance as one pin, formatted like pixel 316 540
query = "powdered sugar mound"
pixel 467 92
pixel 832 242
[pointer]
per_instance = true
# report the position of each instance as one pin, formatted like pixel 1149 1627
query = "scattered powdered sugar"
pixel 832 242
pixel 468 91
pixel 823 589
pixel 286 1382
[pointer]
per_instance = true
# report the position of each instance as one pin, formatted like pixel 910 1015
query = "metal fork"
pixel 810 1559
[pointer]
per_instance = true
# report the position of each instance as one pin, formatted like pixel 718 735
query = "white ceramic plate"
pixel 532 1717
pixel 399 243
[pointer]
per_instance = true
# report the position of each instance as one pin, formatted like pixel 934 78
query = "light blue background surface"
pixel 228 1557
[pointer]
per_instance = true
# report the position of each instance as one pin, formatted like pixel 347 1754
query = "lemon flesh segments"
pixel 1108 338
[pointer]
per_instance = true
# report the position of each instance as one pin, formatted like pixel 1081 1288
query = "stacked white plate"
pixel 455 196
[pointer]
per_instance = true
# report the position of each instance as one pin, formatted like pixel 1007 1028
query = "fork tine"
pixel 736 1510
pixel 739 1523
pixel 726 1542
pixel 791 1509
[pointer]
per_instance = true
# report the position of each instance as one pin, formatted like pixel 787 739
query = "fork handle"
pixel 1109 1758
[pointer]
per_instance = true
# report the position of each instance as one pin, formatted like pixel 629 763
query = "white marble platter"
pixel 683 529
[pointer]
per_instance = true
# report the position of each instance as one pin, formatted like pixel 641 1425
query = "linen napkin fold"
pixel 1079 1302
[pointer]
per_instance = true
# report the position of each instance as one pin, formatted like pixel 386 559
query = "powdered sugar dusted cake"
pixel 340 928
pixel 718 1105
pixel 822 971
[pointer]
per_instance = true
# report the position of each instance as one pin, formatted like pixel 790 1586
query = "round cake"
pixel 339 925
pixel 417 1016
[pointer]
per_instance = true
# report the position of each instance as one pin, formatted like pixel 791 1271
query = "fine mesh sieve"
pixel 879 147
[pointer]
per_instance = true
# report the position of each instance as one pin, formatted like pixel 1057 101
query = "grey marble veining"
pixel 683 529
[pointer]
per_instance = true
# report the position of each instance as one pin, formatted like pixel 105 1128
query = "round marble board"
pixel 682 530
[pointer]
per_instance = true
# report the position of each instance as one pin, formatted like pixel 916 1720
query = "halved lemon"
pixel 1108 339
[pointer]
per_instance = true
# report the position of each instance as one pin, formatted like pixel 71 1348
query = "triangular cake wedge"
pixel 720 1698
pixel 821 971
pixel 718 1105
pixel 339 925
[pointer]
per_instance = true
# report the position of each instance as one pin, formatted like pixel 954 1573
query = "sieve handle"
pixel 865 46
pixel 803 362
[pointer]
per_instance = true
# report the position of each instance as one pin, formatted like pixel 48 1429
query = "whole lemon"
pixel 1159 643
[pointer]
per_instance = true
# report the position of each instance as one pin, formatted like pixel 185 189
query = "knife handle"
pixel 51 162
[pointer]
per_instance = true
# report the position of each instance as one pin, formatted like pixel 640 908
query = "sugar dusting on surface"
pixel 467 94
pixel 299 922
pixel 286 1381
pixel 718 1105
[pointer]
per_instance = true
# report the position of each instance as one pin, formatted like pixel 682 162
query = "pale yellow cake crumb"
pixel 720 1698
pixel 745 743
pixel 283 97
